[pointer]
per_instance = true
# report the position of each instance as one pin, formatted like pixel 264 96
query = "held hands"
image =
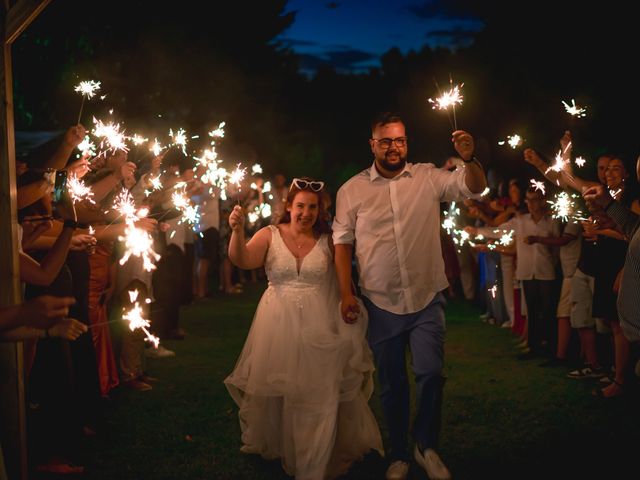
pixel 350 309
pixel 236 218
pixel 463 143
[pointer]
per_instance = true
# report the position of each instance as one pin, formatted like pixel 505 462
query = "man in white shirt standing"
pixel 392 212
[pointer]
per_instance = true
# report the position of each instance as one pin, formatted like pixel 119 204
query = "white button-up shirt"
pixel 395 223
pixel 536 261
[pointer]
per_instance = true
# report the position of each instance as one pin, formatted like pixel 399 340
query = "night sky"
pixel 352 34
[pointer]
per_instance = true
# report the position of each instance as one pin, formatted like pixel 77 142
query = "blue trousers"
pixel 389 335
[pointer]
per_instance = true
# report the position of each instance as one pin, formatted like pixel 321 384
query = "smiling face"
pixel 615 174
pixel 304 210
pixel 389 156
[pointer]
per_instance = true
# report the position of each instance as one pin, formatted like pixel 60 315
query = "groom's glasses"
pixel 304 184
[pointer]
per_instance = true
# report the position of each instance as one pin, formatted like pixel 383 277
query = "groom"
pixel 391 211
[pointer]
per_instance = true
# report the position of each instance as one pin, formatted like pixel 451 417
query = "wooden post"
pixel 12 403
pixel 14 18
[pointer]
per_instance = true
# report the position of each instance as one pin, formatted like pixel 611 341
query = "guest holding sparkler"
pixel 303 378
pixel 392 211
pixel 601 203
pixel 611 248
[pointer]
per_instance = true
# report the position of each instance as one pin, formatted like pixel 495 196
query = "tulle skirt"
pixel 302 384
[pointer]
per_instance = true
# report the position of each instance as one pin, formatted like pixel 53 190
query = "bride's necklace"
pixel 298 244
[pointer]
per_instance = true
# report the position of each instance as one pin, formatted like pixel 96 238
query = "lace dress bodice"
pixel 282 269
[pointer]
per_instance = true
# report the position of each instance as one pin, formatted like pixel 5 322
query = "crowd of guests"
pixel 551 281
pixel 554 281
pixel 76 289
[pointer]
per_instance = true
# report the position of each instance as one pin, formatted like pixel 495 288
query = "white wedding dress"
pixel 304 376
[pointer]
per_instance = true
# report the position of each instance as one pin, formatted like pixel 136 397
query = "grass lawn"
pixel 502 418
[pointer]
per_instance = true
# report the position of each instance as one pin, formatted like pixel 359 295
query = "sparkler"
pixel 180 139
pixel 87 89
pixel 255 169
pixel 493 291
pixel 236 177
pixel 156 148
pixel 110 134
pixel 218 132
pixel 138 139
pixel 136 320
pixel 580 161
pixel 138 243
pixel 87 147
pixel 450 219
pixel 574 110
pixel 448 99
pixel 78 190
pixel 537 185
pixel 514 141
pixel 561 163
pixel 564 206
pixel 614 193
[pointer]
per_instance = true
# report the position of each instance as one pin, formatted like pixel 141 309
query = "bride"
pixel 303 378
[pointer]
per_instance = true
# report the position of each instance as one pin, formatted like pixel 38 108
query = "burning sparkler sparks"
pixel 448 99
pixel 138 243
pixel 538 185
pixel 138 139
pixel 451 218
pixel 78 190
pixel 574 110
pixel 236 178
pixel 580 161
pixel 87 89
pixel 514 141
pixel 110 134
pixel 218 132
pixel 136 320
pixel 179 139
pixel 87 147
pixel 564 207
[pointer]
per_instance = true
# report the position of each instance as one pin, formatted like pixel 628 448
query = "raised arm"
pixel 562 178
pixel 247 255
pixel 474 174
pixel 72 138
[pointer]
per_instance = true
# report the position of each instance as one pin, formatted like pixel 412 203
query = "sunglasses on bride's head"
pixel 304 184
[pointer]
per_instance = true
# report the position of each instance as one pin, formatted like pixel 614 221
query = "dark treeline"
pixel 197 63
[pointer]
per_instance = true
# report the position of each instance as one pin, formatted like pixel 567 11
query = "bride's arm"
pixel 251 255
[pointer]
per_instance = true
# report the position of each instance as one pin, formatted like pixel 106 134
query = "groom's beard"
pixel 396 164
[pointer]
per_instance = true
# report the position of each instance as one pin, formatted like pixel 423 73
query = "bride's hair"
pixel 322 222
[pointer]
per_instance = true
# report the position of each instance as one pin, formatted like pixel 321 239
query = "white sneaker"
pixel 159 352
pixel 432 464
pixel 398 470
